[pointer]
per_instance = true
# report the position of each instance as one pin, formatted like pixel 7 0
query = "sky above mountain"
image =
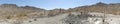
pixel 52 4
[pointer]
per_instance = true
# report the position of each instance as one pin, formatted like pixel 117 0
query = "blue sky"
pixel 52 4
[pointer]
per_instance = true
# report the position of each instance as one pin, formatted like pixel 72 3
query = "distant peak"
pixel 28 6
pixel 9 5
pixel 100 3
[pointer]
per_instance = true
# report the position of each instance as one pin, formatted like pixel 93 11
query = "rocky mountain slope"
pixel 100 7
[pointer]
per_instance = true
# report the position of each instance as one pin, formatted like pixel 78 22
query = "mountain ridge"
pixel 14 10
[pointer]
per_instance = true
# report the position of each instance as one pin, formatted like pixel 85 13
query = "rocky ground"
pixel 70 18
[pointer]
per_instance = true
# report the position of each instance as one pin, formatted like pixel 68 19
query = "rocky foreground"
pixel 69 18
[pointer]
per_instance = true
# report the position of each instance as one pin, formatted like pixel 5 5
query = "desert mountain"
pixel 99 7
pixel 12 11
pixel 91 14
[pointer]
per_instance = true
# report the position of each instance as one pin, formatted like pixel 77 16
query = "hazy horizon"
pixel 52 4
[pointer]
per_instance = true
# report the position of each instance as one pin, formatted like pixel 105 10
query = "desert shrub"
pixel 30 21
pixel 35 19
pixel 9 17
